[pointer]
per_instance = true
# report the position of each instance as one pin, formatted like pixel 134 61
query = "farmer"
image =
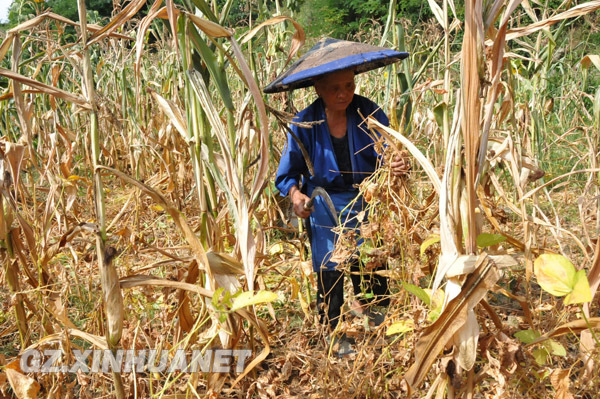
pixel 342 154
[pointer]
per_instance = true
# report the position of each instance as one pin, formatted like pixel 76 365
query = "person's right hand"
pixel 401 164
pixel 298 201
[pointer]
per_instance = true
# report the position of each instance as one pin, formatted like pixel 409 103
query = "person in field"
pixel 342 152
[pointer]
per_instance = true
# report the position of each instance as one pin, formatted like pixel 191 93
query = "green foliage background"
pixel 336 18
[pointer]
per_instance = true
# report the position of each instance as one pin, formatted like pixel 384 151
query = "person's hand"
pixel 400 164
pixel 298 201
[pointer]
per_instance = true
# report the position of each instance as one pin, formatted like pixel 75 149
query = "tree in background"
pixel 342 19
pixel 336 18
pixel 22 10
pixel 68 8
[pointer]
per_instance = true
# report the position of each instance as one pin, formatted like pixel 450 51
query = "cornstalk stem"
pixel 106 275
pixel 13 285
pixel 445 113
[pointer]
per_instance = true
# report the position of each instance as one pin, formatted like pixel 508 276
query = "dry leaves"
pixel 23 386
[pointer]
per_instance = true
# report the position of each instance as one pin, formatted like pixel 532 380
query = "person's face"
pixel 336 90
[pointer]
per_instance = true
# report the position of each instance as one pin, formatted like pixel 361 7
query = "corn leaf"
pixel 586 62
pixel 454 316
pixel 46 89
pixel 216 71
pixel 210 28
pixel 5 46
pixel 438 13
pixel 249 298
pixel 576 11
pixel 140 35
pixel 117 21
pixel 389 133
pixel 297 40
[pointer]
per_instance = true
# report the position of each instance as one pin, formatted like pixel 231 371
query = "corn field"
pixel 138 209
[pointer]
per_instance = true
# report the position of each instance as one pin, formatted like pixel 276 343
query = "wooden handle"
pixel 308 204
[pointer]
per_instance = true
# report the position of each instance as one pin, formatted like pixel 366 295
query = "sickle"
pixel 320 191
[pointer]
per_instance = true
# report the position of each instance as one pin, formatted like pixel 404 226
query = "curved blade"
pixel 320 191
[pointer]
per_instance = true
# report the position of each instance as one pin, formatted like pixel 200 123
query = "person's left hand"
pixel 400 164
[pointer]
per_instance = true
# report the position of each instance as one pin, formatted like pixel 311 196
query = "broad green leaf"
pixel 216 298
pixel 581 290
pixel 436 305
pixel 216 71
pixel 434 314
pixel 399 327
pixel 438 113
pixel 429 242
pixel 437 299
pixel 249 298
pixel 206 10
pixel 418 292
pixel 555 348
pixel 540 355
pixel 527 336
pixel 487 239
pixel 555 274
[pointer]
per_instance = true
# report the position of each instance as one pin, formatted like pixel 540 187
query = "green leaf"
pixel 527 336
pixel 540 355
pixel 206 10
pixel 418 292
pixel 438 113
pixel 216 298
pixel 216 71
pixel 436 305
pixel 249 298
pixel 487 239
pixel 555 274
pixel 400 327
pixel 434 314
pixel 429 242
pixel 226 299
pixel 555 348
pixel 581 290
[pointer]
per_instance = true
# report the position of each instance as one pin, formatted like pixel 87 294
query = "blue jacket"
pixel 317 142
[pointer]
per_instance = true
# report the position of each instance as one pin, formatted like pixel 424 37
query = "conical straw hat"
pixel 331 55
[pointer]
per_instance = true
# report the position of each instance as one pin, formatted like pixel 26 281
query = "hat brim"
pixel 299 75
